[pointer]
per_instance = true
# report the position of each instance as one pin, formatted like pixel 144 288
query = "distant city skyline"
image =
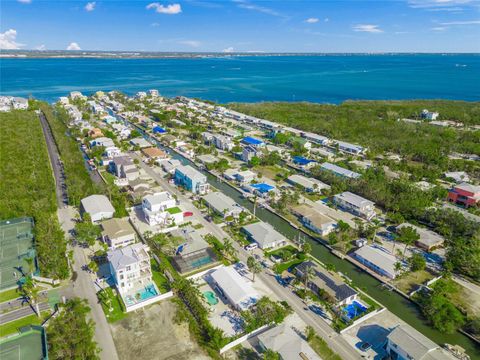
pixel 242 26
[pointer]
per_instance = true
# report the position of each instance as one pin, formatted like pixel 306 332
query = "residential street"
pixel 334 340
pixel 26 310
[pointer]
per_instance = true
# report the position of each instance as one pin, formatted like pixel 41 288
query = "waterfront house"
pixel 222 204
pixel 349 148
pixel 98 207
pixel 322 280
pixel 303 163
pixel 245 177
pixel 339 171
pixel 355 204
pixel 264 235
pixel 118 233
pixel 153 93
pixel 308 184
pixel 140 142
pixel 223 142
pixel 377 259
pixel 315 138
pixel 253 142
pixel 283 340
pixel 248 153
pixel 465 194
pixel 428 240
pixel 102 141
pixel 235 288
pixel 169 165
pixel 230 174
pixel 406 343
pixel 154 153
pixel 191 179
pixel 161 209
pixel 314 220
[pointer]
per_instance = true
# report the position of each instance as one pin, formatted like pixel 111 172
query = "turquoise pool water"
pixel 144 294
pixel 201 262
pixel 211 298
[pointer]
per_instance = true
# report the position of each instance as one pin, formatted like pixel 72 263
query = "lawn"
pixel 280 268
pixel 117 307
pixel 322 349
pixel 174 210
pixel 160 280
pixel 13 326
pixel 410 281
pixel 8 295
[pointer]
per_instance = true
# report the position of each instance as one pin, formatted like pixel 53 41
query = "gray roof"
pixel 115 228
pixel 122 257
pixel 331 283
pixel 95 204
pixel 378 257
pixel 287 343
pixel 234 285
pixel 354 199
pixel 263 233
pixel 191 173
pixel 417 345
pixel 193 240
pixel 307 182
pixel 339 170
pixel 221 202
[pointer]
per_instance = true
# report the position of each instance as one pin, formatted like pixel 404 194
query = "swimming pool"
pixel 146 293
pixel 211 298
pixel 263 188
pixel 353 310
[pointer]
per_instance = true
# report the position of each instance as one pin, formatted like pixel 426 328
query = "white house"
pixel 235 288
pixel 264 235
pixel 98 207
pixel 245 177
pixel 160 209
pixel 112 151
pixel 429 115
pixel 379 260
pixel 102 141
pixel 355 204
pixel 118 233
pixel 314 220
pixel 130 267
pixel 309 184
pixel 222 204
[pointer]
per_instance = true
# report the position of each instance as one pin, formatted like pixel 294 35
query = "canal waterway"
pixel 397 304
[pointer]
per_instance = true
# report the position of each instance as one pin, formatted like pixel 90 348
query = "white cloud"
pixel 40 47
pixel 460 23
pixel 243 4
pixel 90 6
pixel 171 9
pixel 192 43
pixel 229 50
pixel 367 28
pixel 25 1
pixel 439 5
pixel 311 20
pixel 155 24
pixel 73 46
pixel 8 40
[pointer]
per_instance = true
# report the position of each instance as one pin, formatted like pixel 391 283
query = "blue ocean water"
pixel 332 79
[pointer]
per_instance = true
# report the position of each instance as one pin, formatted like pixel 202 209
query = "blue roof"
pixel 251 141
pixel 263 188
pixel 158 129
pixel 300 160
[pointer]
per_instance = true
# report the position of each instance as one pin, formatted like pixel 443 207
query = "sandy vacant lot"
pixel 151 333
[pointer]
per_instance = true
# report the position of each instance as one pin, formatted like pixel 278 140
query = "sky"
pixel 242 25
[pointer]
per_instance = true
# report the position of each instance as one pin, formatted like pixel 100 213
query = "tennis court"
pixel 16 245
pixel 30 344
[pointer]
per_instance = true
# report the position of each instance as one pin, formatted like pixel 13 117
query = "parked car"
pixel 251 246
pixel 187 213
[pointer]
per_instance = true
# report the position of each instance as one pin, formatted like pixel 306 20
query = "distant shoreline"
pixel 62 54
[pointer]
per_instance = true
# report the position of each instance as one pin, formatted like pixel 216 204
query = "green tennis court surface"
pixel 16 245
pixel 30 344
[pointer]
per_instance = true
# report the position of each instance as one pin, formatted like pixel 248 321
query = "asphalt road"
pixel 26 310
pixel 334 340
pixel 83 286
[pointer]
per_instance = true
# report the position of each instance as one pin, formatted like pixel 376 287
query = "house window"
pixel 121 277
pixel 128 268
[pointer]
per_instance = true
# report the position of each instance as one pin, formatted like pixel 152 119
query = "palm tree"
pixel 31 293
pixel 375 225
pixel 408 235
pixel 306 248
pixel 307 275
pixel 254 266
pixel 93 266
pixel 398 267
pixel 228 249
